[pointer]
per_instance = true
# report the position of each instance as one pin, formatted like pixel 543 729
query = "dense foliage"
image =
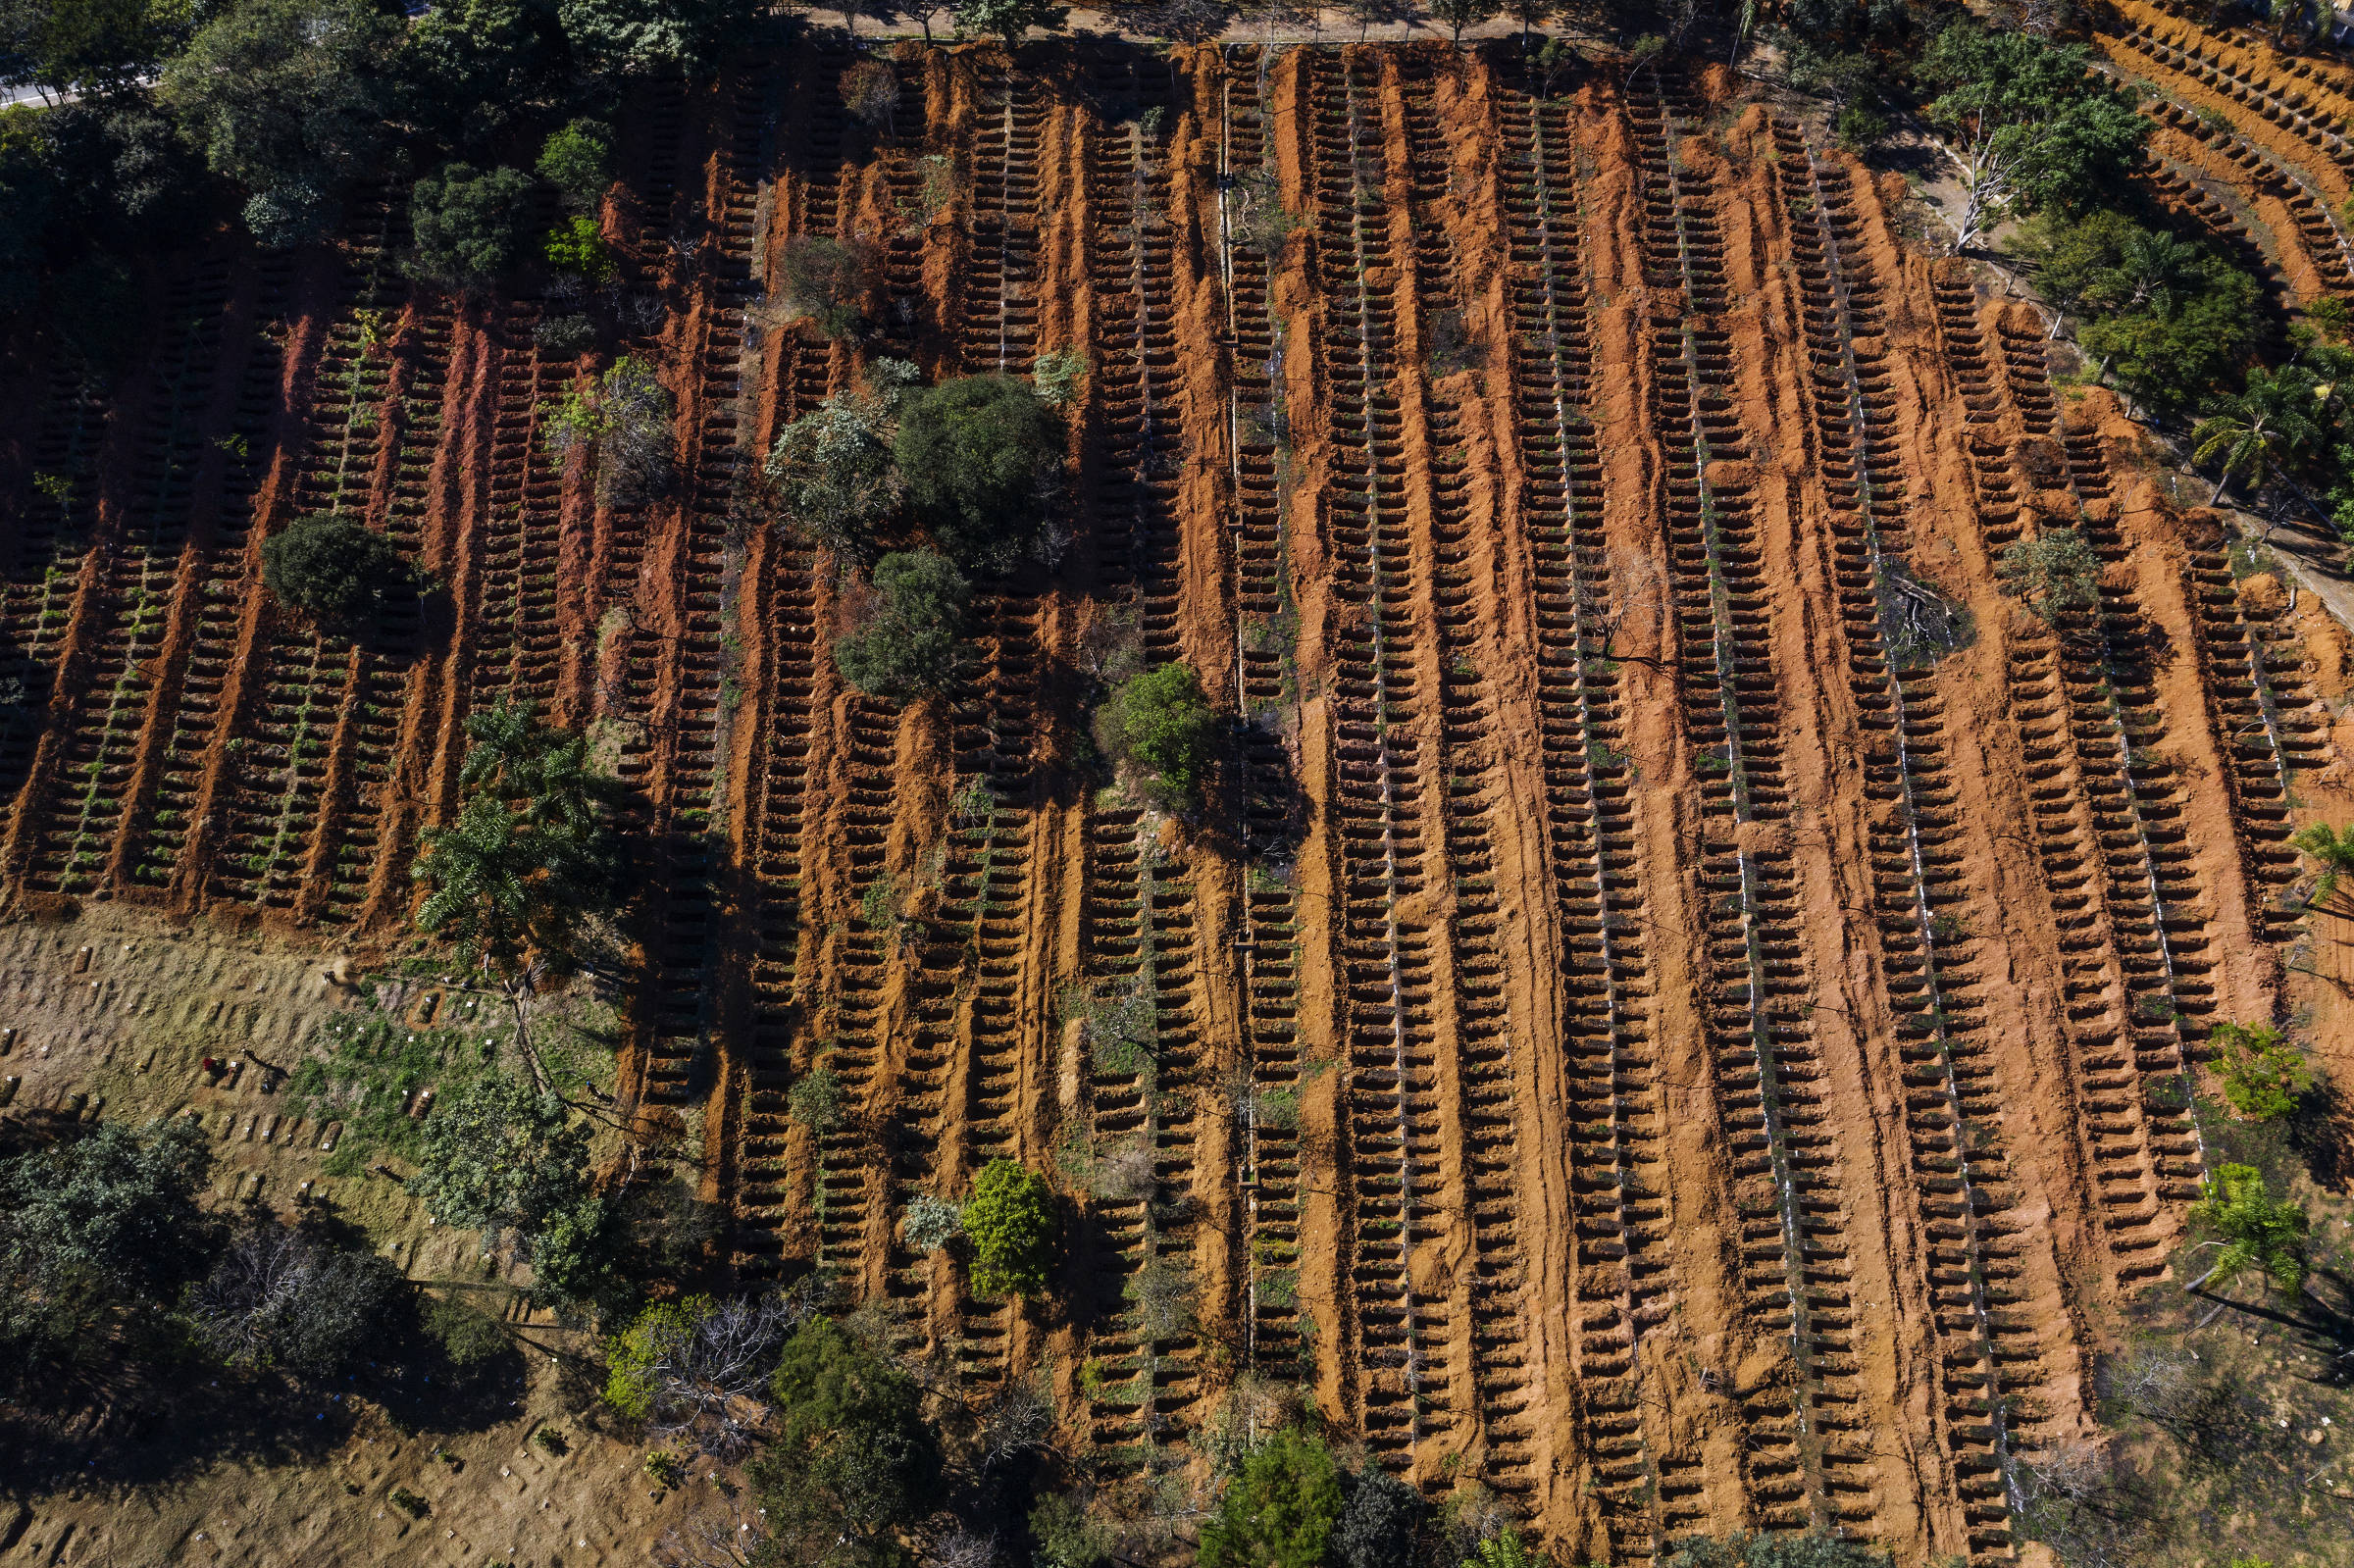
pixel 467 223
pixel 1012 1224
pixel 906 640
pixel 981 457
pixel 854 1461
pixel 1813 1549
pixel 1158 724
pixel 2263 1074
pixel 334 570
pixel 1281 1512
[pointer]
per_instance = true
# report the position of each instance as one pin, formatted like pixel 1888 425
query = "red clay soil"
pixel 1688 1065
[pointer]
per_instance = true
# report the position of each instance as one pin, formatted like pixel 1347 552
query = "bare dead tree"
pixel 706 1384
pixel 1020 1420
pixel 957 1545
pixel 719 1535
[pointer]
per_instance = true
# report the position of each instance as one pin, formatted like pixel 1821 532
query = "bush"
pixel 1858 128
pixel 2263 1074
pixel 578 161
pixel 565 336
pixel 1377 1525
pixel 833 471
pixel 825 279
pixel 1057 376
pixel 626 417
pixel 1010 1219
pixel 1067 1534
pixel 332 568
pixel 816 1101
pixel 1281 1512
pixel 468 1338
pixel 853 1462
pixel 2053 573
pixel 932 1223
pixel 982 456
pixel 578 247
pixel 1813 1549
pixel 466 227
pixel 1161 725
pixel 906 644
pixel 634 1355
pixel 2260 1233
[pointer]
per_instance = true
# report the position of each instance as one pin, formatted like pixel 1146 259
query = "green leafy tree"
pixel 906 643
pixel 2028 123
pixel 2053 573
pixel 853 1462
pixel 625 418
pixel 289 99
pixel 96 1232
pixel 334 570
pixel 577 246
pixel 1280 1512
pixel 1068 1534
pixel 2266 426
pixel 1378 1522
pixel 1161 725
pixel 2260 1233
pixel 287 1296
pixel 578 161
pixel 2333 850
pixel 1010 1221
pixel 634 1356
pixel 2262 1072
pixel 1507 1548
pixel 981 457
pixel 1008 20
pixel 90 48
pixel 510 1160
pixel 643 37
pixel 467 226
pixel 825 280
pixel 469 69
pixel 835 479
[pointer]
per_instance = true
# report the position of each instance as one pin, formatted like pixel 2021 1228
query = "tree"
pixel 1813 1549
pixel 906 643
pixel 835 481
pixel 932 1223
pixel 626 419
pixel 529 861
pixel 507 1159
pixel 2053 573
pixel 825 279
pixel 1377 1524
pixel 577 247
pixel 698 1366
pixel 578 161
pixel 1159 724
pixel 467 226
pixel 284 1296
pixel 97 1229
pixel 2333 847
pixel 334 570
pixel 1531 14
pixel 816 1101
pixel 2263 1074
pixel 854 1461
pixel 1068 1534
pixel 2259 1231
pixel 870 90
pixel 1280 1512
pixel 1008 20
pixel 2271 423
pixel 1010 1220
pixel 1460 13
pixel 90 48
pixel 644 37
pixel 468 68
pixel 2029 123
pixel 289 99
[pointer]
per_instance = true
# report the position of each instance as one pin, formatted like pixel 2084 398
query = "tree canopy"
pixel 509 1160
pixel 853 1459
pixel 2029 124
pixel 906 643
pixel 835 477
pixel 334 570
pixel 2263 1074
pixel 2260 1233
pixel 578 160
pixel 467 225
pixel 1281 1512
pixel 1011 1223
pixel 981 457
pixel 1161 724
pixel 2053 573
pixel 286 1297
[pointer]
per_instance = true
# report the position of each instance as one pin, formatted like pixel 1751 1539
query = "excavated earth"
pixel 1682 1003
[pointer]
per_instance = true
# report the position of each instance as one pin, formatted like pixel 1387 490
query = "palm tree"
pixel 2270 423
pixel 2333 847
pixel 2149 267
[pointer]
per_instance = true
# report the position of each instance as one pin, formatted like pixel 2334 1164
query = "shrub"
pixel 816 1101
pixel 626 417
pixel 932 1223
pixel 467 226
pixel 1067 1534
pixel 1161 725
pixel 870 90
pixel 408 1502
pixel 906 643
pixel 1815 1549
pixel 2053 573
pixel 981 456
pixel 468 1338
pixel 2259 1231
pixel 2263 1074
pixel 1057 376
pixel 565 336
pixel 1858 128
pixel 825 279
pixel 578 161
pixel 835 483
pixel 1281 1512
pixel 1010 1219
pixel 578 246
pixel 665 1467
pixel 332 568
pixel 1377 1524
pixel 632 1355
pixel 854 1461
